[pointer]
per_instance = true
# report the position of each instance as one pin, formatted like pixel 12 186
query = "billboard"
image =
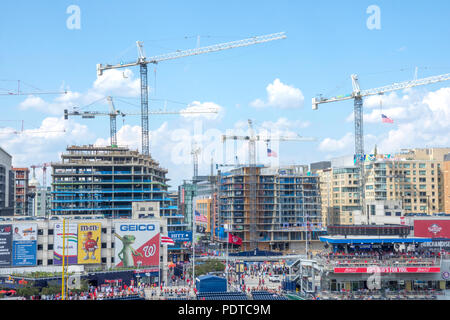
pixel 181 236
pixel 71 243
pixel 89 243
pixel 24 239
pixel 432 228
pixel 389 270
pixel 136 244
pixel 5 245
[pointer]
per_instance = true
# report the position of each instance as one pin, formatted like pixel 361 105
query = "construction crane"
pixel 44 167
pixel 113 113
pixel 31 131
pixel 21 93
pixel 252 139
pixel 252 172
pixel 195 151
pixel 143 61
pixel 357 95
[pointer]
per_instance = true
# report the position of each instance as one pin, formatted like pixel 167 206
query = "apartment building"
pixel 446 177
pixel 339 194
pixel 6 184
pixel 415 178
pixel 417 183
pixel 281 215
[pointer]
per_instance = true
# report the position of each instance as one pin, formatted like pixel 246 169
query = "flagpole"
pixel 159 261
pixel 63 261
pixel 228 240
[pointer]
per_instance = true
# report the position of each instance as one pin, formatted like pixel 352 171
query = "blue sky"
pixel 326 42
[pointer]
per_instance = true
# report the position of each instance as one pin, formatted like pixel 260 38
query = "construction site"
pixel 156 202
pixel 106 181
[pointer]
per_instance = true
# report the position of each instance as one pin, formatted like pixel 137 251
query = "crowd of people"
pixel 382 256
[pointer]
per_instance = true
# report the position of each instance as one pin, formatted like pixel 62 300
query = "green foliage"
pixel 51 290
pixel 27 291
pixel 210 265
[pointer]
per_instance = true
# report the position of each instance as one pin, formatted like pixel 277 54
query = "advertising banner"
pixel 71 243
pixel 389 270
pixel 137 244
pixel 5 245
pixel 89 243
pixel 24 240
pixel 181 236
pixel 432 228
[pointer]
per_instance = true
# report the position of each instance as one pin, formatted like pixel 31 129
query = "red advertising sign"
pixel 432 228
pixel 137 244
pixel 389 270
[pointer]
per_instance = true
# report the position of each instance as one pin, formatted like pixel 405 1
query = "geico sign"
pixel 137 227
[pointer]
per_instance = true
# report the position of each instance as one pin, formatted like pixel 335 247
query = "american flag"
pixel 271 153
pixel 386 119
pixel 167 240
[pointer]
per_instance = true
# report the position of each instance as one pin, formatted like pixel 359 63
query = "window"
pixel 49 261
pixel 387 213
pixel 50 232
pixel 104 245
pixel 398 214
pixel 422 165
pixel 50 246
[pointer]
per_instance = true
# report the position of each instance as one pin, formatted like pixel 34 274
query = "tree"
pixel 210 265
pixel 27 291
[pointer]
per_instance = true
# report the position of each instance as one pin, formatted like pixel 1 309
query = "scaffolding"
pixel 106 181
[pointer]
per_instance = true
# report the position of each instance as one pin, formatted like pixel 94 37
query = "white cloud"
pixel 117 82
pixel 43 144
pixel 197 106
pixel 333 145
pixel 421 119
pixel 280 95
pixel 285 125
pixel 112 82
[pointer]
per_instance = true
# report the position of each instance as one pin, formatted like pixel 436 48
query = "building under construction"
pixel 271 208
pixel 106 181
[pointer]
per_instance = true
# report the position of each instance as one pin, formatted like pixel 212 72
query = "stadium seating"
pixel 221 296
pixel 265 295
pixel 129 297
